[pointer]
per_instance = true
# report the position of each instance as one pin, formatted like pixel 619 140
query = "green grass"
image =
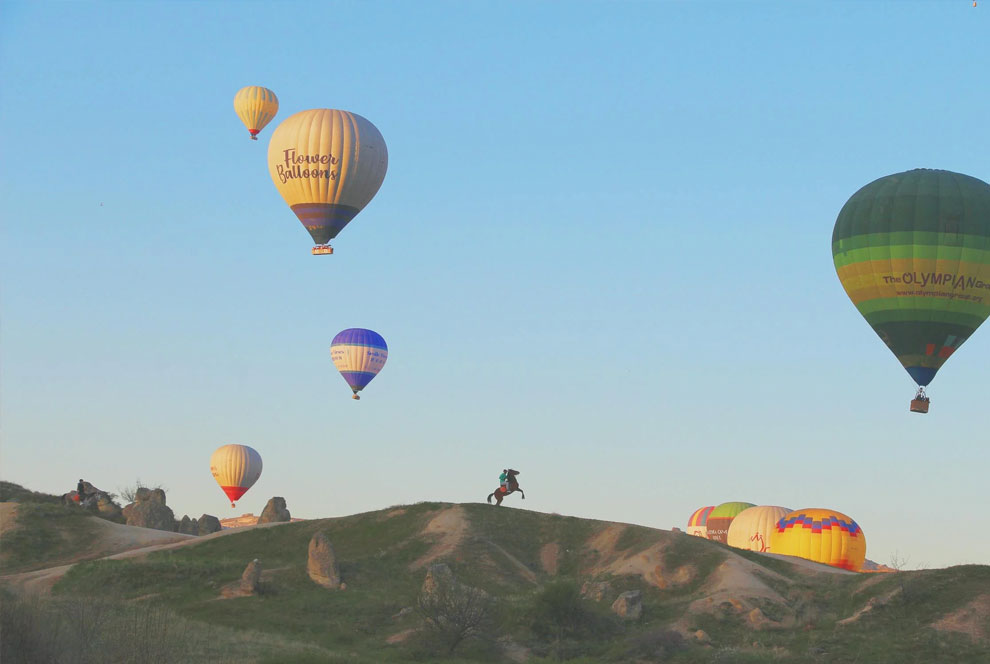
pixel 15 493
pixel 46 534
pixel 376 550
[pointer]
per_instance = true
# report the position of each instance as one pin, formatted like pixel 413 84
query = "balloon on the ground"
pixel 235 468
pixel 327 165
pixel 721 517
pixel 697 524
pixel 255 106
pixel 359 355
pixel 822 535
pixel 912 251
pixel 753 528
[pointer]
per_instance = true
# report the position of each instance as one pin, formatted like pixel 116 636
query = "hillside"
pixel 553 580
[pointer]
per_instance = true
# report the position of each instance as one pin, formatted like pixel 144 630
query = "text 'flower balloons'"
pixel 327 165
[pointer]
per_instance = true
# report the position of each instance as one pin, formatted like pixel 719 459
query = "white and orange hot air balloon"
pixel 753 527
pixel 235 468
pixel 255 106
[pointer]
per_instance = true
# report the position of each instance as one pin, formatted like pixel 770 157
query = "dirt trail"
pixel 116 542
pixel 451 525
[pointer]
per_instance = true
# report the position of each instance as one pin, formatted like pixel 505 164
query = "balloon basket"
pixel 322 249
pixel 919 405
pixel 356 397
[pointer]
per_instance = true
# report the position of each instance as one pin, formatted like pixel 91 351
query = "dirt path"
pixel 117 542
pixel 451 526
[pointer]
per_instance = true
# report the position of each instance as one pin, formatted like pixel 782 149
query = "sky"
pixel 601 256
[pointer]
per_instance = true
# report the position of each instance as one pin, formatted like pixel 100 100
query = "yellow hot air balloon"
pixel 255 106
pixel 327 165
pixel 235 468
pixel 825 536
pixel 752 528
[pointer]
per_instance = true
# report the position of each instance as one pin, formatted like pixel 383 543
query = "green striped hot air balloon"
pixel 912 251
pixel 721 517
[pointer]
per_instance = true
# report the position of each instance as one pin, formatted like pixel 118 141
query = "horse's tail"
pixel 489 498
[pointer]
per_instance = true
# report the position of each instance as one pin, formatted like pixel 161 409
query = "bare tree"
pixel 454 613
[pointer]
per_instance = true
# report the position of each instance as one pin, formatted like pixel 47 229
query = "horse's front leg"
pixel 523 494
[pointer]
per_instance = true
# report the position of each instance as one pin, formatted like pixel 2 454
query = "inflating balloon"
pixel 752 528
pixel 255 106
pixel 359 355
pixel 824 536
pixel 721 517
pixel 912 251
pixel 327 165
pixel 697 524
pixel 235 468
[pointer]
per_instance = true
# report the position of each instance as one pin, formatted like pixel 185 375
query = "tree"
pixel 454 612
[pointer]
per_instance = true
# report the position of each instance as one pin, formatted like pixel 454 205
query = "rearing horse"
pixel 512 485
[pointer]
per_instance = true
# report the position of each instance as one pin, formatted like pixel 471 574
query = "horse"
pixel 501 492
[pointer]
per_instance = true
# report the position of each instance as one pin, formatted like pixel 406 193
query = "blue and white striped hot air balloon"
pixel 359 355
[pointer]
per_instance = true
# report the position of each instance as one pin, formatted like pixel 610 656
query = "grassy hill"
pixel 549 582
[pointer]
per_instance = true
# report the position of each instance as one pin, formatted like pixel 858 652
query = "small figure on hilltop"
pixel 507 484
pixel 81 490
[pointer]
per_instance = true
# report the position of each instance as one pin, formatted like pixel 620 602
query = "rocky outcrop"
pixel 322 563
pixel 275 511
pixel 251 577
pixel 149 510
pixel 208 524
pixel 187 526
pixel 438 575
pixel 95 500
pixel 629 605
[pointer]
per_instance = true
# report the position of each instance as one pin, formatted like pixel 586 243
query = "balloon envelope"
pixel 912 251
pixel 255 106
pixel 235 468
pixel 752 528
pixel 697 524
pixel 821 535
pixel 327 165
pixel 721 517
pixel 359 355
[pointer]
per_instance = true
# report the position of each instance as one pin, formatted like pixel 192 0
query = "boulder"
pixel 629 605
pixel 275 511
pixel 188 527
pixel 208 524
pixel 149 510
pixel 251 577
pixel 322 563
pixel 438 575
pixel 107 508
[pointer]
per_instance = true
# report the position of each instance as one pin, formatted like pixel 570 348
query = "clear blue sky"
pixel 601 255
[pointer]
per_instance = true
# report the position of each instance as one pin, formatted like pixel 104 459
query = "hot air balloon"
pixel 752 528
pixel 359 355
pixel 912 251
pixel 327 165
pixel 824 536
pixel 255 106
pixel 697 522
pixel 235 468
pixel 720 518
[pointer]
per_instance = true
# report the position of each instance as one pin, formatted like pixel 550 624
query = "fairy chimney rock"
pixel 208 524
pixel 322 563
pixel 275 511
pixel 250 577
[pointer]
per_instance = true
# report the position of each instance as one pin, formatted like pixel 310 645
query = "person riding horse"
pixel 507 484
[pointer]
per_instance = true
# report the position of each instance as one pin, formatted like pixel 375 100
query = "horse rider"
pixel 503 480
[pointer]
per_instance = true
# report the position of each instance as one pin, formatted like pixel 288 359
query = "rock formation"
pixel 149 510
pixel 188 527
pixel 438 575
pixel 322 563
pixel 208 524
pixel 251 577
pixel 629 605
pixel 275 511
pixel 595 590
